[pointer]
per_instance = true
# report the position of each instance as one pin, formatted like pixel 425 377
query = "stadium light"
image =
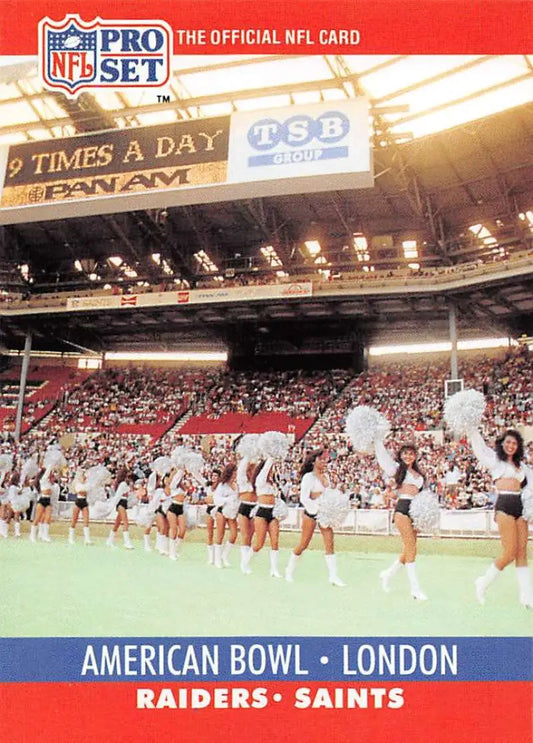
pixel 166 356
pixel 471 345
pixel 313 247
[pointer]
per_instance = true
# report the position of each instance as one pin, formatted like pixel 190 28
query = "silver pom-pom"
pixel 230 508
pixel 96 494
pixel 6 462
pixel 274 445
pixel 191 516
pixel 132 500
pixel 179 455
pixel 333 507
pixel 424 511
pixel 145 516
pixel 464 410
pixel 101 510
pixel 194 463
pixel 97 477
pixel 527 504
pixel 280 510
pixel 30 469
pixel 54 458
pixel 161 465
pixel 20 502
pixel 248 447
pixel 364 425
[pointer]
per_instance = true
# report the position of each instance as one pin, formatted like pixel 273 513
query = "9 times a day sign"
pixel 302 149
pixel 74 55
pixel 117 162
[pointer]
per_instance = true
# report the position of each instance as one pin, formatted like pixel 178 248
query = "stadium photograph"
pixel 266 350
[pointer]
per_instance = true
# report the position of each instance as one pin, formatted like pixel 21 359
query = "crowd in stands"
pixel 409 394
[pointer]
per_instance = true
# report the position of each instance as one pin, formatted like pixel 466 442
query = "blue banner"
pixel 276 658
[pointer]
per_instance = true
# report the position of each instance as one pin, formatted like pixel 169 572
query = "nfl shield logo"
pixel 69 54
pixel 75 55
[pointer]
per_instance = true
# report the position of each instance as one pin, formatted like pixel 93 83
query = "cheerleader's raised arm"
pixel 385 459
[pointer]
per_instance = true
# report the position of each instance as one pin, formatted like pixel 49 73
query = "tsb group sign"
pixel 297 141
pixel 74 55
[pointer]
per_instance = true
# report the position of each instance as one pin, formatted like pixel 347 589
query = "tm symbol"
pixel 163 99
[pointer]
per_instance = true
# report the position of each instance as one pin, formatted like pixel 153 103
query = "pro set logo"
pixel 74 55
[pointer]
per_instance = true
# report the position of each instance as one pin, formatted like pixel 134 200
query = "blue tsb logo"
pixel 298 132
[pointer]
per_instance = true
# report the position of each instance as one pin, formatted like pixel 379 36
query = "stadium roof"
pixel 453 161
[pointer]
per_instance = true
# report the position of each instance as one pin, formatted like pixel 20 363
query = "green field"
pixel 61 590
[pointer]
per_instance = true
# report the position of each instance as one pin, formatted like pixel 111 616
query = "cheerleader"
pixel 409 482
pixel 158 492
pixel 123 492
pixel 177 525
pixel 81 505
pixel 141 493
pixel 18 501
pixel 247 500
pixel 509 474
pixel 49 490
pixel 210 515
pixel 265 520
pixel 161 501
pixel 313 482
pixel 5 510
pixel 226 500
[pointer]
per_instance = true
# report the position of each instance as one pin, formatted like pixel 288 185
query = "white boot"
pixel 40 533
pixel 33 533
pixel 246 556
pixel 179 541
pixel 331 562
pixel 173 549
pixel 3 528
pixel 127 541
pixel 147 545
pixel 218 556
pixel 388 574
pixel 226 553
pixel 524 584
pixel 158 542
pixel 484 581
pixel 289 570
pixel 16 526
pixel 46 533
pixel 416 591
pixel 164 545
pixel 87 536
pixel 71 535
pixel 110 541
pixel 210 554
pixel 274 572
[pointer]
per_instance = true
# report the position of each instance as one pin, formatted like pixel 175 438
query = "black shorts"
pixel 310 515
pixel 265 513
pixel 123 503
pixel 402 506
pixel 160 510
pixel 44 501
pixel 509 503
pixel 210 508
pixel 81 503
pixel 176 509
pixel 245 509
